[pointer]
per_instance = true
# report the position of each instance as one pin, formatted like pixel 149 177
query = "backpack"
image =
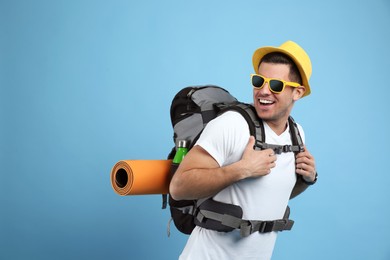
pixel 191 110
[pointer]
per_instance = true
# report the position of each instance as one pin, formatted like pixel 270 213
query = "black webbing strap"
pixel 296 138
pixel 248 227
pixel 278 149
pixel 207 115
pixel 247 111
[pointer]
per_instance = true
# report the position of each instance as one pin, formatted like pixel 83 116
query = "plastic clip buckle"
pixel 287 148
pixel 278 150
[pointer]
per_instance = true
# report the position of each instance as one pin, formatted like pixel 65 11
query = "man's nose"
pixel 265 89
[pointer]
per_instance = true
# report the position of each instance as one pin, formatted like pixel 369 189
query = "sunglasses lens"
pixel 257 81
pixel 276 85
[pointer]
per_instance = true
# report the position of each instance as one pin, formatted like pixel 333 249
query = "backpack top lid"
pixel 193 107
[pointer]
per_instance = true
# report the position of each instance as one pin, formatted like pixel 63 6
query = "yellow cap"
pixel 295 52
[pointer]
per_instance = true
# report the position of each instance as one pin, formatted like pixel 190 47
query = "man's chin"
pixel 265 115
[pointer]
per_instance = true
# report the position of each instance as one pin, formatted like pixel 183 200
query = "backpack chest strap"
pixel 278 149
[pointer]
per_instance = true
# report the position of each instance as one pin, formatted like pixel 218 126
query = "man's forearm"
pixel 203 182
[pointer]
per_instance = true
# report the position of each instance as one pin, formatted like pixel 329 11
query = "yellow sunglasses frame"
pixel 267 80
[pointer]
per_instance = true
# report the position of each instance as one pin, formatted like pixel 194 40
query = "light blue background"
pixel 87 83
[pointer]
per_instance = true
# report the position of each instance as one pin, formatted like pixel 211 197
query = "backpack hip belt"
pixel 210 219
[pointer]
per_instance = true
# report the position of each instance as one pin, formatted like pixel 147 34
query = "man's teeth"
pixel 265 101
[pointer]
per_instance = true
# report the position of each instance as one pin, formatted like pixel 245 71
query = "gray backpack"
pixel 191 109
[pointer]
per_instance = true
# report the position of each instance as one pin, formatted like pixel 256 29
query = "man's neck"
pixel 278 127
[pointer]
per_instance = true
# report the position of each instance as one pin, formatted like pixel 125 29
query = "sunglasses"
pixel 275 85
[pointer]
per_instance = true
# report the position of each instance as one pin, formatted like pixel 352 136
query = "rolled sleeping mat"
pixel 141 177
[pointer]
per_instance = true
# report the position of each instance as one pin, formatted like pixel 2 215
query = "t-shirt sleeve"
pixel 225 135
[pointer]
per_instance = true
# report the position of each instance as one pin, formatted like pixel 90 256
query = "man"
pixel 224 165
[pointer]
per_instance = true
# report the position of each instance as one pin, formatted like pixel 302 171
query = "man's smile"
pixel 265 102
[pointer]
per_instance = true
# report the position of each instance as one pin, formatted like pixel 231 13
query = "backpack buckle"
pixel 251 226
pixel 283 224
pixel 266 226
pixel 278 150
pixel 287 148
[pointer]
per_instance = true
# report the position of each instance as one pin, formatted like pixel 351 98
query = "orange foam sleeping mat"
pixel 141 177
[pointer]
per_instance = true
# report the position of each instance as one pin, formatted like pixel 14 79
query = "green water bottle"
pixel 181 151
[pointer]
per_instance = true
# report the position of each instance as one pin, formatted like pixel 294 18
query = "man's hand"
pixel 306 166
pixel 257 163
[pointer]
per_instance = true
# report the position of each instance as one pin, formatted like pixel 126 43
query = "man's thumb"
pixel 251 142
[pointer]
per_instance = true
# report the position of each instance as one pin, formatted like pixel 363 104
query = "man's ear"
pixel 298 92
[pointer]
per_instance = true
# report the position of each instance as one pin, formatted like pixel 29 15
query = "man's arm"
pixel 200 176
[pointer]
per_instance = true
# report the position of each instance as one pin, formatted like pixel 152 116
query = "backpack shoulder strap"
pixel 296 138
pixel 255 124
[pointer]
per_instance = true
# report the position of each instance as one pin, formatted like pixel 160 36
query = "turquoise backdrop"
pixel 87 83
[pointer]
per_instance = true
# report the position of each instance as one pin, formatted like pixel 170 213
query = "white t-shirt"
pixel 263 198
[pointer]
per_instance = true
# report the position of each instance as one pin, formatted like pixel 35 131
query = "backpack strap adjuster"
pixel 278 149
pixel 249 227
pixel 282 224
